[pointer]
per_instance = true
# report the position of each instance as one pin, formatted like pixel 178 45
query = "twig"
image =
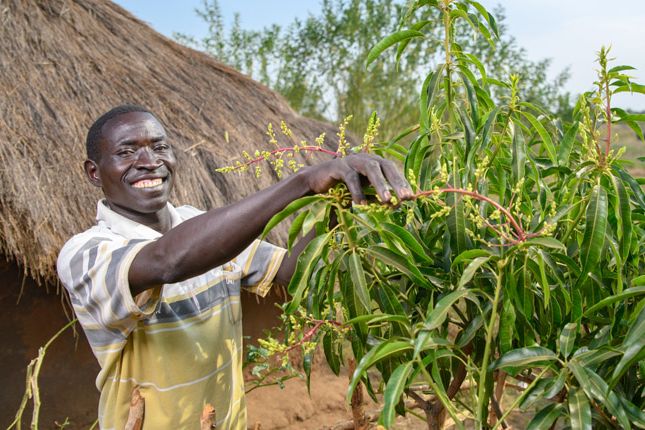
pixel 358 412
pixel 137 411
pixel 207 420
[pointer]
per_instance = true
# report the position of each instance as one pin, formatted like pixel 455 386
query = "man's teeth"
pixel 147 183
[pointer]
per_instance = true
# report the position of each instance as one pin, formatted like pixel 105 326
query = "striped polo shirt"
pixel 181 343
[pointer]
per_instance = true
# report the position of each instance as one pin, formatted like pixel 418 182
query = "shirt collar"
pixel 128 228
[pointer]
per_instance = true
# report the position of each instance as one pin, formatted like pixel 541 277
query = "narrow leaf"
pixel 544 136
pixel 390 40
pixel 358 277
pixel 544 419
pixel 595 228
pixel 579 410
pixel 290 209
pixel 393 390
pixel 377 353
pixel 438 314
pixel 470 270
pixel 523 356
pixel 568 339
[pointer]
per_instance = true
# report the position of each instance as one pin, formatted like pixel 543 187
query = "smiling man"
pixel 157 288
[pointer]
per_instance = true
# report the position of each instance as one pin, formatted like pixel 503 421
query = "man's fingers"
pixel 353 182
pixel 372 170
pixel 396 179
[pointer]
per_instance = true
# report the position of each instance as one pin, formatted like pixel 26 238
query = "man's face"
pixel 136 166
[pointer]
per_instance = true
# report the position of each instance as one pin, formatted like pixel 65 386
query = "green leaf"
pixel 594 386
pixel 306 264
pixel 330 354
pixel 456 219
pixel 594 356
pixel 390 40
pixel 595 228
pixel 439 312
pixel 393 391
pixel 506 326
pixel 470 270
pixel 523 356
pixel 632 88
pixel 469 255
pixel 408 239
pixel 425 340
pixel 633 347
pixel 518 147
pixel 544 419
pixel 404 44
pixel 295 227
pixel 579 410
pixel 488 16
pixel 379 352
pixel 626 294
pixel 393 259
pixel 548 242
pixel 544 135
pixel 358 277
pixel 620 69
pixel 290 209
pixel 623 216
pixel 564 151
pixel 568 339
pixel 378 318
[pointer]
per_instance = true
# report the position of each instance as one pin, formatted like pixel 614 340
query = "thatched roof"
pixel 64 62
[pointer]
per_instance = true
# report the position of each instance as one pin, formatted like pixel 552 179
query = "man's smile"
pixel 148 183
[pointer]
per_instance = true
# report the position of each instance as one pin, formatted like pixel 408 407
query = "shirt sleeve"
pixel 95 272
pixel 259 263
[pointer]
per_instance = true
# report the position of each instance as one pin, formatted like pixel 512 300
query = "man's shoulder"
pixel 91 237
pixel 187 211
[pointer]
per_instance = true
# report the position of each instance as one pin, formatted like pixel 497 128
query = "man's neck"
pixel 160 221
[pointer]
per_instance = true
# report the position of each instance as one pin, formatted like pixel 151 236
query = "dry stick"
pixel 137 411
pixel 497 398
pixel 207 420
pixel 358 412
pixel 31 386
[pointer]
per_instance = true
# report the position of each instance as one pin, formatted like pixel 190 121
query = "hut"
pixel 62 63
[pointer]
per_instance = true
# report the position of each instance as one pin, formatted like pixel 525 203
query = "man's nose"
pixel 147 159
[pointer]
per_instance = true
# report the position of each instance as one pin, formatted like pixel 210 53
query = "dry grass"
pixel 64 62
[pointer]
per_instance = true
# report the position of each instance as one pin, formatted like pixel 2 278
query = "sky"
pixel 570 32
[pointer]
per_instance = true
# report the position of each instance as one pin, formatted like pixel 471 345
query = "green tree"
pixel 318 63
pixel 520 260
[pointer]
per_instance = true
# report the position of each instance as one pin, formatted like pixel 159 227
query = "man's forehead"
pixel 132 125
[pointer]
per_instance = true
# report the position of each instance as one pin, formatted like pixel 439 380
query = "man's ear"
pixel 92 172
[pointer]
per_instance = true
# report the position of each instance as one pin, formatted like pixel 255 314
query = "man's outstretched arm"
pixel 217 236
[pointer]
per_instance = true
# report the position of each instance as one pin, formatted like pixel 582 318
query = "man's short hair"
pixel 94 135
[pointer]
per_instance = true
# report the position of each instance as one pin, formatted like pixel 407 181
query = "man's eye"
pixel 161 147
pixel 125 152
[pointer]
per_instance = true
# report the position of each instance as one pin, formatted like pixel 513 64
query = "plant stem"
pixel 483 373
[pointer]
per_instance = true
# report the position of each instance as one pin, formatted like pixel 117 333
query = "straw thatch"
pixel 64 62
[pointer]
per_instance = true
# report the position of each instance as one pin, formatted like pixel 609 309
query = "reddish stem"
pixel 521 234
pixel 311 332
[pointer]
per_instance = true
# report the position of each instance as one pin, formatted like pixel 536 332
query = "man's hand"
pixel 354 170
